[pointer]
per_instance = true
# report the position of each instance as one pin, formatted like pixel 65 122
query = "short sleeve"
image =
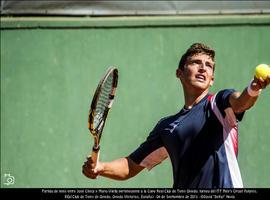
pixel 222 102
pixel 151 152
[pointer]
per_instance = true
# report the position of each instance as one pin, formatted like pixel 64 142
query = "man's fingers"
pixel 88 169
pixel 88 174
pixel 268 80
pixel 89 159
pixel 260 83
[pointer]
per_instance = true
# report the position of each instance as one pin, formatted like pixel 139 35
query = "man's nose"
pixel 202 66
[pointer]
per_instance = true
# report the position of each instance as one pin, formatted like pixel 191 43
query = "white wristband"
pixel 253 93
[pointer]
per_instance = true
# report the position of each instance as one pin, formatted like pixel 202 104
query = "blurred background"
pixel 53 54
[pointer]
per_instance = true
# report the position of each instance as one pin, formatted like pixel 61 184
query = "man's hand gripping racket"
pixel 100 106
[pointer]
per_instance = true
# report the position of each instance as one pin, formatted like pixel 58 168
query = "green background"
pixel 50 68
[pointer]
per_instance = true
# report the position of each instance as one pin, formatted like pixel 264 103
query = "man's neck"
pixel 193 99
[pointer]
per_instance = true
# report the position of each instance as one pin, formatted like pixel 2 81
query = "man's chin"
pixel 201 86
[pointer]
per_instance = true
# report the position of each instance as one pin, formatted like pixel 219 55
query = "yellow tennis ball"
pixel 262 70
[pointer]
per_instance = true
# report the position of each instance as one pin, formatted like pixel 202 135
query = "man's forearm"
pixel 245 100
pixel 120 169
pixel 241 102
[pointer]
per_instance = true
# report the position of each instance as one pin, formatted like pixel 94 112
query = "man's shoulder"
pixel 226 91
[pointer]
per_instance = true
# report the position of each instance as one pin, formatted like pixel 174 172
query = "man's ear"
pixel 178 73
pixel 212 81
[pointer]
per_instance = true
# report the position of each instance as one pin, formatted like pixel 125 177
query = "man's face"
pixel 198 72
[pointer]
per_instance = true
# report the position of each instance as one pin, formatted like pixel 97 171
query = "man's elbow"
pixel 133 169
pixel 243 108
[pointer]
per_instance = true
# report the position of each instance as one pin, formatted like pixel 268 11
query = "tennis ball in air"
pixel 262 70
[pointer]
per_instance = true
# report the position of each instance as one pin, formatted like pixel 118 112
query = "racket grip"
pixel 95 156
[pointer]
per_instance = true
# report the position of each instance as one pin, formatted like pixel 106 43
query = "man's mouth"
pixel 200 77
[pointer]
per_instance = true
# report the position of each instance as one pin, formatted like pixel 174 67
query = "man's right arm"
pixel 120 169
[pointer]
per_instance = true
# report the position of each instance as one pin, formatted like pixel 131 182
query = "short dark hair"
pixel 194 49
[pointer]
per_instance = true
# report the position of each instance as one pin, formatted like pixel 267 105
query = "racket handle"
pixel 95 156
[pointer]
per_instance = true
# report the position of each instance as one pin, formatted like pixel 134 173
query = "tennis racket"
pixel 100 106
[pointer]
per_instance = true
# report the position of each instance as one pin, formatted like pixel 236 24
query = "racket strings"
pixel 103 100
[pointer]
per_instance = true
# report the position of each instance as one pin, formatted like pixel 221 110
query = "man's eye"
pixel 209 65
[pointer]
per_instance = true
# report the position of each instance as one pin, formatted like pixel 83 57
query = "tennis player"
pixel 201 139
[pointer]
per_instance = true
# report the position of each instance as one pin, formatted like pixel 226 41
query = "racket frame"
pixel 97 132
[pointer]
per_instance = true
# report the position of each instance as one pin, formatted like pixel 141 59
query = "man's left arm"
pixel 241 102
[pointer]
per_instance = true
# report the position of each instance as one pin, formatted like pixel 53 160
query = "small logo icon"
pixel 8 179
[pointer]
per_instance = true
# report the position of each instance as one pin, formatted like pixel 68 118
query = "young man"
pixel 201 140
